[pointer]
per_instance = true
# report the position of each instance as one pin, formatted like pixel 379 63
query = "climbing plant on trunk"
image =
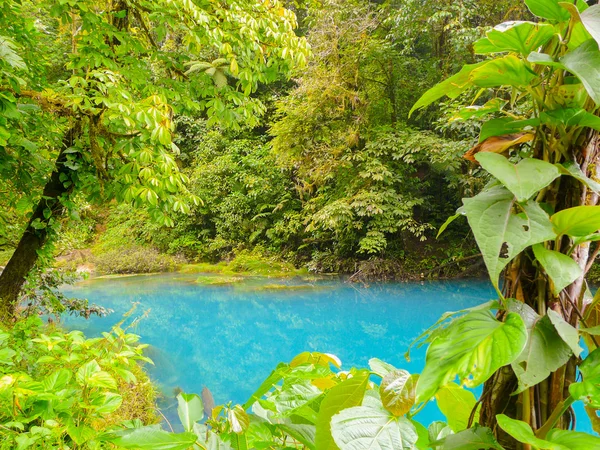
pixel 94 119
pixel 536 223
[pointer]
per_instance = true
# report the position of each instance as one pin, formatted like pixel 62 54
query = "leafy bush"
pixel 61 390
pixel 134 259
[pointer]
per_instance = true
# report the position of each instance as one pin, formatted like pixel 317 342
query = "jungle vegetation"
pixel 314 131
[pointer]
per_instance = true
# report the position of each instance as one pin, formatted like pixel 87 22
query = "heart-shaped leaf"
pixel 397 391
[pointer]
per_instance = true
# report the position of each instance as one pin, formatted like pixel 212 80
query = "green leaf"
pixel 544 353
pixel 473 347
pixel 501 234
pixel 506 71
pixel 543 59
pixel 561 269
pixel 380 367
pixel 577 221
pixel 451 87
pixel 9 55
pixel 438 430
pixel 274 378
pixel 303 433
pixel 588 389
pixel 57 380
pixel 80 434
pixel 522 432
pixel 504 125
pixel 523 179
pixel 591 21
pixel 519 37
pixel 397 391
pixel 548 9
pixel 571 117
pixel 573 440
pixel 567 332
pixel 108 402
pixel 238 419
pixel 457 404
pixel 476 438
pixel 151 438
pixel 86 371
pixel 346 394
pixel 366 428
pixel 584 62
pixel 190 410
pixel 572 168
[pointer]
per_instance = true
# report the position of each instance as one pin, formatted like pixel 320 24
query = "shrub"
pixel 134 259
pixel 61 390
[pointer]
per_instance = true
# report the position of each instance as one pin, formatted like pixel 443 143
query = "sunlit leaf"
pixel 472 348
pixel 523 179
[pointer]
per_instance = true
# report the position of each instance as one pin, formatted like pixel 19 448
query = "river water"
pixel 229 338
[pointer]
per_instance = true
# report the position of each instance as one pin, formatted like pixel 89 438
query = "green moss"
pixel 286 287
pixel 248 263
pixel 218 280
pixel 5 256
pixel 202 268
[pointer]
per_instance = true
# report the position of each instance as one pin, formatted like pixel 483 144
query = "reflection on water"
pixel 229 338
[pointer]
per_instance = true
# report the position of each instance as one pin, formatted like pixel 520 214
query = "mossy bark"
pixel 35 236
pixel 525 282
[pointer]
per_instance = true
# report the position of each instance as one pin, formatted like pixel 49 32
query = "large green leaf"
pixel 380 367
pixel 547 9
pixel 584 62
pixel 366 428
pixel 151 438
pixel 476 438
pixel 346 394
pixel 523 179
pixel 520 37
pixel 577 221
pixel 397 391
pixel 451 87
pixel 567 332
pixel 304 433
pixel 574 440
pixel 522 432
pixel 437 431
pixel 473 347
pixel 238 419
pixel 545 351
pixel 501 234
pixel 561 269
pixel 571 117
pixel 572 168
pixel 190 410
pixel 591 21
pixel 504 125
pixel 457 404
pixel 57 380
pixel 543 59
pixel 506 71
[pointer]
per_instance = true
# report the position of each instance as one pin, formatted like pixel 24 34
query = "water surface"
pixel 229 338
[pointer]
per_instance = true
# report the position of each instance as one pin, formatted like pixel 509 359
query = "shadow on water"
pixel 229 337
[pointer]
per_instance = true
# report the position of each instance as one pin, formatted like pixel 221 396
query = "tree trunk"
pixel 26 254
pixel 523 281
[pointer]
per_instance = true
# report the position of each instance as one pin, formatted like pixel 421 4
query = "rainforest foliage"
pixel 324 168
pixel 186 110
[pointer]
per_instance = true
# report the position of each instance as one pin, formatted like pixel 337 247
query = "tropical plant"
pixel 97 120
pixel 61 390
pixel 535 224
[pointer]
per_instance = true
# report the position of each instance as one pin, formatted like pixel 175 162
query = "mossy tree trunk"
pixel 49 208
pixel 524 281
